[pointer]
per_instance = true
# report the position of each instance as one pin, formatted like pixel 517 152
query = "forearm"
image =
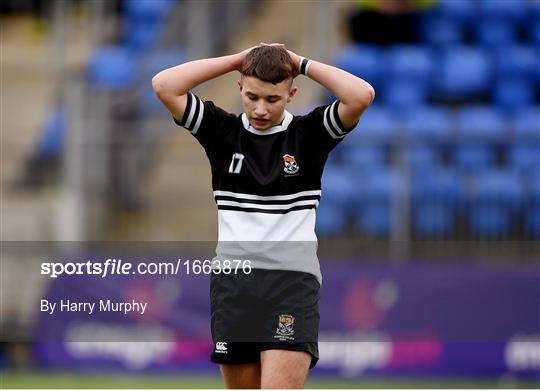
pixel 180 79
pixel 349 89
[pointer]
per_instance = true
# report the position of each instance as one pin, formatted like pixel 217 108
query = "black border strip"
pixel 269 211
pixel 268 202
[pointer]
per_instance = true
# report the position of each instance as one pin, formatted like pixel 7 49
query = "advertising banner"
pixel 376 317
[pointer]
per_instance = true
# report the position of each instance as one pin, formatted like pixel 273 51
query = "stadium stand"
pixel 373 201
pixel 441 32
pixel 462 103
pixel 495 198
pixel 461 111
pixel 436 196
pixel 532 215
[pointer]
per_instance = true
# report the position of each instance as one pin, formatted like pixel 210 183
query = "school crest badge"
pixel 291 166
pixel 285 327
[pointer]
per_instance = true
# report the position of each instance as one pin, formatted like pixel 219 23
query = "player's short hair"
pixel 269 63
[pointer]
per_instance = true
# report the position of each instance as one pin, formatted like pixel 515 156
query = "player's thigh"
pixel 284 368
pixel 241 375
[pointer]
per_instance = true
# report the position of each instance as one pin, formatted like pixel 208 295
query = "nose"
pixel 260 109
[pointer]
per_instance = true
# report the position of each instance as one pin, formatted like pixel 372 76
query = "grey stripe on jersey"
pixel 270 241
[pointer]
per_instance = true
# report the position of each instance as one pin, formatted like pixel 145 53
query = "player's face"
pixel 264 103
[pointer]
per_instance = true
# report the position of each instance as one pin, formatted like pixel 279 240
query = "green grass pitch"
pixel 125 381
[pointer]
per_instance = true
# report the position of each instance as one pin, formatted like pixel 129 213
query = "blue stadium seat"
pixel 112 68
pixel 337 185
pixel 462 73
pixel 534 8
pixel 163 59
pixel 338 192
pixel 139 37
pixel 436 195
pixel 532 220
pixel 470 158
pixel 439 31
pixel 404 94
pixel 363 61
pixel 374 205
pixel 331 218
pixel 496 33
pixel 495 198
pixel 518 61
pixel 51 142
pixel 532 212
pixel 377 124
pixel 481 123
pixel 421 157
pixel 461 10
pixel 147 10
pixel 428 123
pixel 363 157
pixel 524 158
pixel 431 219
pixel 534 32
pixel 513 93
pixel 526 125
pixel 514 10
pixel 143 23
pixel 409 62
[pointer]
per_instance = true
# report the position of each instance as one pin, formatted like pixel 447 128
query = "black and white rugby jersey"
pixel 267 184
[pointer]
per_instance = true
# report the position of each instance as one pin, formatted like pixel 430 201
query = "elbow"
pixel 367 96
pixel 362 97
pixel 158 85
pixel 370 94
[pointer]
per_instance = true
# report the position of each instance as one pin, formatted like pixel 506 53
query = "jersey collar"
pixel 274 129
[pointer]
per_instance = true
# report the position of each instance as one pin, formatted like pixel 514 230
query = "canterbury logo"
pixel 221 347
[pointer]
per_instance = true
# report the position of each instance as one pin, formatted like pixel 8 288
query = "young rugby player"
pixel 266 177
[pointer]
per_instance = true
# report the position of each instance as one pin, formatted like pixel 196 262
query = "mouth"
pixel 260 121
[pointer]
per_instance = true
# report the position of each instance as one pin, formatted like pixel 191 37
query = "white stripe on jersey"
pixel 328 127
pixel 265 206
pixel 267 198
pixel 192 108
pixel 333 119
pixel 240 226
pixel 199 118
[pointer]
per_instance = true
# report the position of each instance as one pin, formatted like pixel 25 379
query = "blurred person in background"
pixel 266 169
pixel 386 22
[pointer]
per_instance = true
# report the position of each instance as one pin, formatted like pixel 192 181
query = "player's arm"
pixel 354 93
pixel 172 85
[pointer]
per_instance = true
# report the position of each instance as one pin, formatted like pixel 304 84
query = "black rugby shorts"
pixel 266 309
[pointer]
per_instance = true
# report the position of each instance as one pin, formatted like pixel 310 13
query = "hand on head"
pixel 295 57
pixel 240 56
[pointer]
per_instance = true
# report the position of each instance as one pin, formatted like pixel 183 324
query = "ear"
pixel 240 85
pixel 292 93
